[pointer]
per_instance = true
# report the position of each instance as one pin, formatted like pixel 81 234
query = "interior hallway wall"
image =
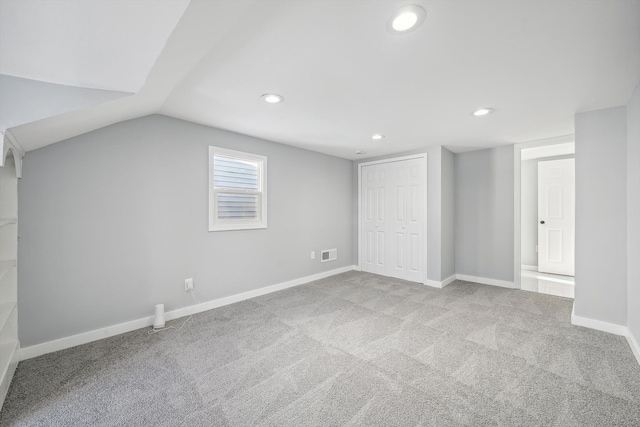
pixel 601 215
pixel 448 215
pixel 484 213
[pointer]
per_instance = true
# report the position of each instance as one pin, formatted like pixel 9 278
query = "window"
pixel 237 190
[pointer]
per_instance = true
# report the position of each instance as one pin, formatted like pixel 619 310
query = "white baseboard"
pixel 98 334
pixel 486 281
pixel 449 280
pixel 611 328
pixel 529 267
pixel 356 268
pixel 599 325
pixel 440 285
pixel 635 347
pixel 433 284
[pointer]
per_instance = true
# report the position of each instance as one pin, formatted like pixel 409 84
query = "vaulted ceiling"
pixel 343 75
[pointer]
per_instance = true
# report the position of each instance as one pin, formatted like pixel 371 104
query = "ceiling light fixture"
pixel 377 136
pixel 406 19
pixel 483 111
pixel 359 152
pixel 272 98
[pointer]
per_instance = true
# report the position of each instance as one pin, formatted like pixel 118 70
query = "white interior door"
pixel 392 219
pixel 556 216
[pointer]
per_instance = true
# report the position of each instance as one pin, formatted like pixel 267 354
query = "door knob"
pixel 541 222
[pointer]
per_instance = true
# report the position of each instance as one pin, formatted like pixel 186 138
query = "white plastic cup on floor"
pixel 158 321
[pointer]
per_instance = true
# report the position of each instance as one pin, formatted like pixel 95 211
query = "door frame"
pixel 517 198
pixel 424 207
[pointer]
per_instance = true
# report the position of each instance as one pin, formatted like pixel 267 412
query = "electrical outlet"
pixel 188 285
pixel 313 254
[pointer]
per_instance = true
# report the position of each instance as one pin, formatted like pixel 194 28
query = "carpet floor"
pixel 350 350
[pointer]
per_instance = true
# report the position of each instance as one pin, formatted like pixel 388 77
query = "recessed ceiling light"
pixel 272 98
pixel 406 19
pixel 377 136
pixel 359 152
pixel 483 111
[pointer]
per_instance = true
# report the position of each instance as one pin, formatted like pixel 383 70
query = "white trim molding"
pixel 635 347
pixel 529 267
pixel 611 328
pixel 440 285
pixel 486 281
pixel 9 143
pixel 557 149
pixel 225 224
pixel 599 325
pixel 98 334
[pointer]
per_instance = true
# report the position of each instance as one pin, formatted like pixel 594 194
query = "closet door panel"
pixel 416 182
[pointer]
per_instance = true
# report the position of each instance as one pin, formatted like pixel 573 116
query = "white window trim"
pixel 261 222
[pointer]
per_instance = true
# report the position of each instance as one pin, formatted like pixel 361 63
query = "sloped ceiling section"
pixel 62 56
pixel 203 24
pixel 25 101
pixel 343 75
pixel 98 44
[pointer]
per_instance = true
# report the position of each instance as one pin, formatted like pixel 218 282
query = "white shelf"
pixel 6 308
pixel 7 221
pixel 5 266
pixel 10 171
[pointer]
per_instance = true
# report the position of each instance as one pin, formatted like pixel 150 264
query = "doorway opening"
pixel 546 261
pixel 547 219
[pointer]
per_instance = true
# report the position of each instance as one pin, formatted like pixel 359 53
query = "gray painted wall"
pixel 434 210
pixel 24 100
pixel 447 215
pixel 113 221
pixel 601 215
pixel 529 212
pixel 633 213
pixel 484 192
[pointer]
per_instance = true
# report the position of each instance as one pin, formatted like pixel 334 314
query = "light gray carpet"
pixel 353 350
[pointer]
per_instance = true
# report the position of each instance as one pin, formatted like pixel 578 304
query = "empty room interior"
pixel 320 213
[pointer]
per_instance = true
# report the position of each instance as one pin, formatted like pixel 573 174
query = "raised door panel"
pixel 416 185
pixel 396 223
pixel 368 213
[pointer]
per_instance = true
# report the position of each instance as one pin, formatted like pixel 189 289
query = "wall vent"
pixel 329 255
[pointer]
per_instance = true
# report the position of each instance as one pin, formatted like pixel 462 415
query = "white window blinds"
pixel 237 190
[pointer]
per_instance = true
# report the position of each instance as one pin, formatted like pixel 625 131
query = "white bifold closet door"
pixel 393 216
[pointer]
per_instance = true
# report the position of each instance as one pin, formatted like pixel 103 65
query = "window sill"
pixel 237 227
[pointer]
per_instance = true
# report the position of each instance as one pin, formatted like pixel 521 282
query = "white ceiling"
pixel 344 77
